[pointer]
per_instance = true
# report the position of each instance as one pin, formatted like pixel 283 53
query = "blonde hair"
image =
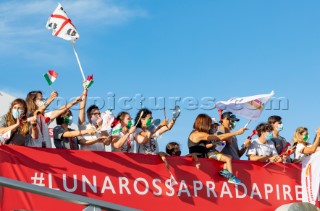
pixel 297 135
pixel 24 128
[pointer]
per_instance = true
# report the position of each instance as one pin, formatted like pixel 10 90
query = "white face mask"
pixel 40 103
pixel 280 127
pixel 94 120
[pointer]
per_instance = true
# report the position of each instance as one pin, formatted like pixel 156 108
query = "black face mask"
pixel 174 152
pixel 177 153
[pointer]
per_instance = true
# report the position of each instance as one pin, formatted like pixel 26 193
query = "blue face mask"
pixel 269 136
pixel 16 113
pixel 280 127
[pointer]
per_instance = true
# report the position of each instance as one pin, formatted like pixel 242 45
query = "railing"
pixel 91 204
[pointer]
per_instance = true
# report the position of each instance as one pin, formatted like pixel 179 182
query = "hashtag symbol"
pixel 38 180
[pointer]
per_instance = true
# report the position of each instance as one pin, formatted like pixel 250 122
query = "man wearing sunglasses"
pixel 100 139
pixel 231 148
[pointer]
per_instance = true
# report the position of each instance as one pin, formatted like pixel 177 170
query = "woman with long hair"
pixel 37 106
pixel 304 148
pixel 124 140
pixel 200 137
pixel 15 122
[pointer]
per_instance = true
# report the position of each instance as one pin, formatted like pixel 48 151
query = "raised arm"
pixel 53 95
pixel 82 112
pixel 314 147
pixel 64 108
pixel 164 126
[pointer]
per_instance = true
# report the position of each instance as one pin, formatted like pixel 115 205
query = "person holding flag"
pixel 228 123
pixel 199 138
pixel 147 141
pixel 100 139
pixel 123 141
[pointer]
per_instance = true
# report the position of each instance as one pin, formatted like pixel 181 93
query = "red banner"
pixel 143 182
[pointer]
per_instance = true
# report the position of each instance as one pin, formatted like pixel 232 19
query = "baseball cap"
pixel 214 121
pixel 230 116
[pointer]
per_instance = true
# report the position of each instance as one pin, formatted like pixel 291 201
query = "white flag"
pixel 61 25
pixel 107 120
pixel 249 107
pixel 4 137
pixel 310 178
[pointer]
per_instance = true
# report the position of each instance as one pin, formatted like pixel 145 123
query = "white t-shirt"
pixel 151 147
pixel 128 145
pixel 98 146
pixel 298 153
pixel 43 136
pixel 266 149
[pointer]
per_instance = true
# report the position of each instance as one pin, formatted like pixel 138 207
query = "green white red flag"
pixel 50 76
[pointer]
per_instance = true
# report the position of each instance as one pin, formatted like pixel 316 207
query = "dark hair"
pixel 202 123
pixel 274 119
pixel 264 127
pixel 170 149
pixel 61 119
pixel 145 113
pixel 121 115
pixel 91 108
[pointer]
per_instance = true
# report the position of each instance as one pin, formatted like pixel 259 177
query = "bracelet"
pixel 80 132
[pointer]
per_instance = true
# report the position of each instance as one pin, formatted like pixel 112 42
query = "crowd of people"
pixel 27 122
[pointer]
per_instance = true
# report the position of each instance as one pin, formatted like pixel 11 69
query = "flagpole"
pixel 50 88
pixel 75 52
pixel 246 125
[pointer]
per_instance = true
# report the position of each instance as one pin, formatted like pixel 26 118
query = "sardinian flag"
pixel 250 107
pixel 61 25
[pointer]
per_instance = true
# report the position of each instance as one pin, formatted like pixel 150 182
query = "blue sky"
pixel 195 49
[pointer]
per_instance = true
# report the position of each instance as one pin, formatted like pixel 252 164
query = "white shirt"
pixel 128 145
pixel 266 149
pixel 43 136
pixel 98 146
pixel 298 153
pixel 151 147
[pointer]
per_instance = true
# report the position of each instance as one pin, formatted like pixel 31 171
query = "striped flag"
pixel 117 129
pixel 50 76
pixel 89 81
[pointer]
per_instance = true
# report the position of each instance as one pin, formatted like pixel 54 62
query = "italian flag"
pixel 50 76
pixel 89 81
pixel 116 130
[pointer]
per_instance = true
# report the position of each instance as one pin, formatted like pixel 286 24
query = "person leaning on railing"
pixel 15 123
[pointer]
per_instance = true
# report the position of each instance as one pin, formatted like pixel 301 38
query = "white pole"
pixel 75 52
pixel 246 125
